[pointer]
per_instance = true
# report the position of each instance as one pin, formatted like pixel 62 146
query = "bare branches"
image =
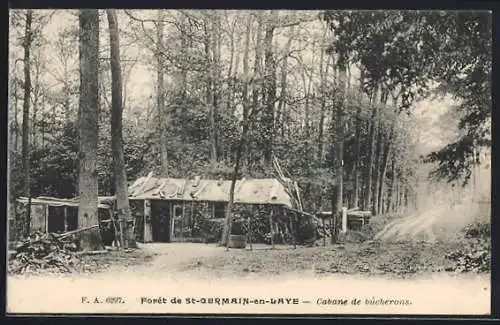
pixel 148 20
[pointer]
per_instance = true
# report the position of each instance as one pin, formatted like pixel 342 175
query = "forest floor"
pixel 365 270
pixel 369 258
pixel 396 260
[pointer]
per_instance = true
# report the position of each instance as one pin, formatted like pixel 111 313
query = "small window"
pixel 219 210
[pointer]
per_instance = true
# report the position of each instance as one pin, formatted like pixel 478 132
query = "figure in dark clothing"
pixel 116 229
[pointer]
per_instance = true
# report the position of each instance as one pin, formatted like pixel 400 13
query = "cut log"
pixel 359 213
pixel 99 252
pixel 69 233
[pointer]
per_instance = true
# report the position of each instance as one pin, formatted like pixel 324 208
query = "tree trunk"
pixel 229 213
pixel 257 73
pixel 233 41
pixel 88 126
pixel 378 157
pixel 339 159
pixel 160 96
pixel 43 122
pixel 357 161
pixel 217 91
pixel 401 196
pixel 385 165
pixel 242 140
pixel 184 70
pixel 391 194
pixel 209 51
pixel 397 194
pixel 270 93
pixel 16 115
pixel 35 99
pixel 304 118
pixel 66 87
pixel 26 114
pixel 126 79
pixel 283 82
pixel 376 176
pixel 246 76
pixel 373 132
pixel 323 92
pixel 307 91
pixel 121 186
pixel 14 111
pixel 234 77
pixel 257 64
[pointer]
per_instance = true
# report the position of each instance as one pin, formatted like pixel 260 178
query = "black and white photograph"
pixel 203 161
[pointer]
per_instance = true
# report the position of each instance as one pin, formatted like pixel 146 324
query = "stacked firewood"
pixel 473 256
pixel 42 251
pixel 473 261
pixel 475 253
pixel 323 232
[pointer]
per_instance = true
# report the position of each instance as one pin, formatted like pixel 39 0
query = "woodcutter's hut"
pixel 49 214
pixel 172 209
pixel 175 209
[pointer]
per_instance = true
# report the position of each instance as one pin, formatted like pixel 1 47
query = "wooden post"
pixel 46 218
pixel 172 222
pixel 332 230
pixel 271 226
pixel 148 231
pixel 122 227
pixel 250 231
pixel 324 231
pixel 115 227
pixel 182 221
pixel 344 220
pixel 296 228
pixel 65 218
pixel 290 224
pixel 191 220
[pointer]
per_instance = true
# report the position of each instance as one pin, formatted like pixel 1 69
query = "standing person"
pixel 116 229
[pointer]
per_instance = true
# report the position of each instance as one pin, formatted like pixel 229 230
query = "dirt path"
pixel 167 258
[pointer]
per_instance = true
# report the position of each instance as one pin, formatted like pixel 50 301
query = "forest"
pixel 98 98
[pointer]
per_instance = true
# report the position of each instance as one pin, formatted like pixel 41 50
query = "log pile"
pixel 323 231
pixel 42 251
pixel 475 261
pixel 475 253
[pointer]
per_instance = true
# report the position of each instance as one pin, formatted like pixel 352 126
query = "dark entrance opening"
pixel 160 221
pixel 72 218
pixel 107 228
pixel 55 219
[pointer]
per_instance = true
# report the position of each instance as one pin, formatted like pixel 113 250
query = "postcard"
pixel 229 162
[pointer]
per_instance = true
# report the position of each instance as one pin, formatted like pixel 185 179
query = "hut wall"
pixel 198 221
pixel 137 212
pixel 18 224
pixel 38 218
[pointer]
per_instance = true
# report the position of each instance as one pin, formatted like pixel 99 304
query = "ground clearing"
pixel 364 271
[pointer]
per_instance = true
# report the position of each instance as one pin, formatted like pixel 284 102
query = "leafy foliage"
pixel 408 50
pixel 404 54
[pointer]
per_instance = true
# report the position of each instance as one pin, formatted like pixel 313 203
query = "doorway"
pixel 55 219
pixel 160 221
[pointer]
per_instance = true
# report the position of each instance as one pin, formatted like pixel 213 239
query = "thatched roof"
pixel 251 191
pixel 57 202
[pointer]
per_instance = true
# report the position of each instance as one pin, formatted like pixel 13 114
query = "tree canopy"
pixel 413 52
